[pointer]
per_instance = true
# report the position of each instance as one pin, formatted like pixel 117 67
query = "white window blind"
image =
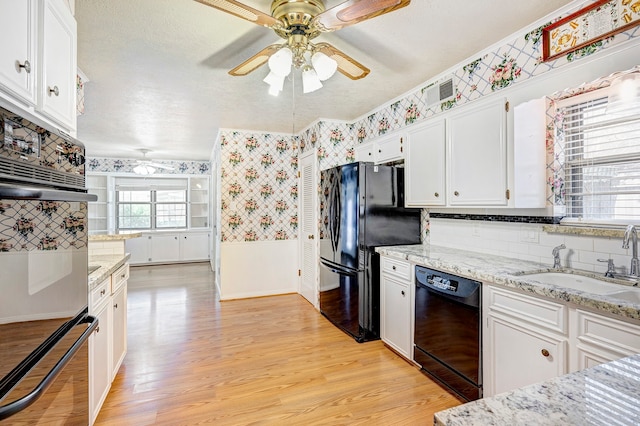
pixel 602 161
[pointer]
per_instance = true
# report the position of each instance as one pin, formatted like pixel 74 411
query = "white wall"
pixel 258 268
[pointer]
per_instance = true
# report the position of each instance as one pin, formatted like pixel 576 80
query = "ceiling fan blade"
pixel 243 11
pixel 346 64
pixel 353 11
pixel 255 61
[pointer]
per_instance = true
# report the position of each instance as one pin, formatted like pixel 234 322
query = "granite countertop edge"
pixel 115 237
pixel 108 265
pixel 505 271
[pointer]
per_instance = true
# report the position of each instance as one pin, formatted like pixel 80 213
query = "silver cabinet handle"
pixel 26 66
pixel 55 91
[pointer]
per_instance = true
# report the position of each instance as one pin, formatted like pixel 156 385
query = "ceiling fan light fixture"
pixel 281 61
pixel 275 82
pixel 325 66
pixel 143 169
pixel 310 80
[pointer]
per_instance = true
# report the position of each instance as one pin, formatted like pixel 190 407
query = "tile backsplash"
pixel 530 242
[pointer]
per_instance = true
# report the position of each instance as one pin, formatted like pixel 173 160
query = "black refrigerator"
pixel 361 207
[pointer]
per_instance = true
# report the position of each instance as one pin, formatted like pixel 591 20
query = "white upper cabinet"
pixel 459 159
pixel 57 88
pixel 425 165
pixel 477 152
pixel 18 63
pixel 38 62
pixel 383 149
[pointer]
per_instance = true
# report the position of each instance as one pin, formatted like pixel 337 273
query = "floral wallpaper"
pixel 126 165
pixel 259 186
pixel 42 225
pixel 334 142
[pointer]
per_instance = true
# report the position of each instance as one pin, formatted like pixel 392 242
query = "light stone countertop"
pixel 115 237
pixel 505 271
pixel 603 395
pixel 108 265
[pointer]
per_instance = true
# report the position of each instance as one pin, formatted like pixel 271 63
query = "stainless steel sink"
pixel 587 284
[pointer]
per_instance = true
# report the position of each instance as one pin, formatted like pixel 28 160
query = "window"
pixel 151 203
pixel 602 161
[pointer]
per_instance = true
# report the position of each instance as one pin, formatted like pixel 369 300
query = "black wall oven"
pixel 447 334
pixel 44 325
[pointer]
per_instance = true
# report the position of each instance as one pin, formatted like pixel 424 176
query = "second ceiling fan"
pixel 298 22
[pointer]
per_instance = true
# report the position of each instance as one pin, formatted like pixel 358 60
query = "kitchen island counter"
pixel 606 394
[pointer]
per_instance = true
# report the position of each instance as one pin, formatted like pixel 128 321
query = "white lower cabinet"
pixel 530 339
pixel 108 343
pixel 169 247
pixel 396 303
pixel 100 348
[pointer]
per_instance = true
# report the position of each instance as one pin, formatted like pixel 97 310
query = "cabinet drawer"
pixel 608 333
pixel 533 310
pixel 100 295
pixel 119 277
pixel 396 268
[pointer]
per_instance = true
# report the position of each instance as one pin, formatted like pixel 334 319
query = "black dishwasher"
pixel 447 333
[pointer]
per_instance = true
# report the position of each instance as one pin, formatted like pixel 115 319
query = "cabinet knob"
pixel 175 238
pixel 115 306
pixel 393 267
pixel 102 292
pixel 55 91
pixel 456 193
pixel 26 66
pixel 380 150
pixel 402 292
pixel 545 353
pixel 311 237
pixel 436 194
pixel 98 329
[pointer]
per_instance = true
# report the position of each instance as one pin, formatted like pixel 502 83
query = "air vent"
pixel 29 173
pixel 440 92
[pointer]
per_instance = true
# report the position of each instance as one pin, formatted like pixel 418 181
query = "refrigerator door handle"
pixel 15 376
pixel 337 268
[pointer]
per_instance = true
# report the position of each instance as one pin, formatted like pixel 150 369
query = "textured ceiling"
pixel 158 68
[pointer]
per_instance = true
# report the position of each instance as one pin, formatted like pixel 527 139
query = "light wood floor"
pixel 272 361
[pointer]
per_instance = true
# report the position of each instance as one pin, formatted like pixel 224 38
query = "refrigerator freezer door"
pixel 340 244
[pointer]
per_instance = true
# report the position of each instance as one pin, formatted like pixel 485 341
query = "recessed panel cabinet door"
pixel 521 356
pixel 18 64
pixel 57 97
pixel 477 153
pixel 425 165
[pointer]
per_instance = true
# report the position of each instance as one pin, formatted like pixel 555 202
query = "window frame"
pixel 153 203
pixel 571 165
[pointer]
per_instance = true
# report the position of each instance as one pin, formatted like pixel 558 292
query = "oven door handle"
pixel 23 369
pixel 24 192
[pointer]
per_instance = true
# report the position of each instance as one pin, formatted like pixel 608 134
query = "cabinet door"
pixel 139 248
pixel 99 361
pixel 119 347
pixel 395 321
pixel 57 98
pixel 477 153
pixel 364 152
pixel 18 64
pixel 521 355
pixel 194 246
pixel 425 165
pixel 390 148
pixel 165 248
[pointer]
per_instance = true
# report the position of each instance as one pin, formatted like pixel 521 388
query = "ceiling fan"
pixel 148 167
pixel 298 22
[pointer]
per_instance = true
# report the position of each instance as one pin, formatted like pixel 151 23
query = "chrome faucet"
pixel 556 256
pixel 630 234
